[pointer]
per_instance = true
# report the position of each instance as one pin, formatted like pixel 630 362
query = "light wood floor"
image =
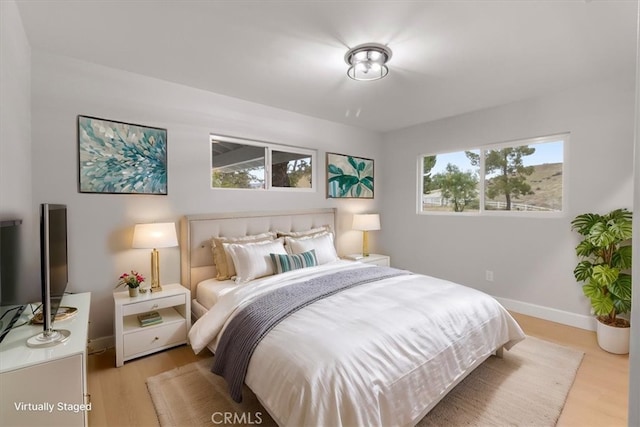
pixel 598 397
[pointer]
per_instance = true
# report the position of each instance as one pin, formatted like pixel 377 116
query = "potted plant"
pixel 131 281
pixel 605 254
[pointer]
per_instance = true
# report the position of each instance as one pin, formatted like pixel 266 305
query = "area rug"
pixel 527 387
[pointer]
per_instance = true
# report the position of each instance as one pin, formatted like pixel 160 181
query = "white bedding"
pixel 209 291
pixel 379 354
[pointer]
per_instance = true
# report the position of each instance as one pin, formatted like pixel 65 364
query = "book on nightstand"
pixel 151 318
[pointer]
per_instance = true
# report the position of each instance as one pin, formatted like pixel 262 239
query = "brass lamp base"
pixel 365 243
pixel 155 271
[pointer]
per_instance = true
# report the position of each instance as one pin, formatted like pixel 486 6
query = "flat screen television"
pixel 54 272
pixel 15 290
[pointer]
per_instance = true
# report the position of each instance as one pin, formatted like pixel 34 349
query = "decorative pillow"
pixel 252 260
pixel 305 233
pixel 224 265
pixel 321 243
pixel 283 263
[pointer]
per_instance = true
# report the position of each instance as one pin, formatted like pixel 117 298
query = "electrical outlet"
pixel 488 275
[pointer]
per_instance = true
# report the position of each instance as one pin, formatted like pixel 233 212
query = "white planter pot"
pixel 612 339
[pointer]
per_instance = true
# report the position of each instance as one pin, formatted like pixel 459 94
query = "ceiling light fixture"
pixel 368 61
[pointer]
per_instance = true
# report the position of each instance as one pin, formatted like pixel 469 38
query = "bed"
pixel 382 352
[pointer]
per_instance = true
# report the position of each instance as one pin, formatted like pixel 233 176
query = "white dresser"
pixel 46 386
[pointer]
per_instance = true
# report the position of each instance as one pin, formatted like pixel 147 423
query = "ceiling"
pixel 449 57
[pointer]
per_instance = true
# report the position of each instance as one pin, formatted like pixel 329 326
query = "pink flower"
pixel 132 280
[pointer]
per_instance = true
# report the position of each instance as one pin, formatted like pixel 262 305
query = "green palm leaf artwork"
pixel 121 158
pixel 349 177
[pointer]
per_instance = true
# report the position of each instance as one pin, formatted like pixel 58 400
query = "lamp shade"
pixel 155 235
pixel 366 222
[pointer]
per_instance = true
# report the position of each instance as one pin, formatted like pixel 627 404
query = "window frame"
pixel 564 137
pixel 269 147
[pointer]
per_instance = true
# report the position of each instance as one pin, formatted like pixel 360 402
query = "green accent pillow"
pixel 283 263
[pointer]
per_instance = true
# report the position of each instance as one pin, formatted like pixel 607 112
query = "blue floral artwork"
pixel 121 158
pixel 349 177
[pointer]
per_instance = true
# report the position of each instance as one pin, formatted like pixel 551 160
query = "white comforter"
pixel 380 354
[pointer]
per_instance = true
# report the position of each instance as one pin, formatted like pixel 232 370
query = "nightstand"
pixel 173 304
pixel 377 259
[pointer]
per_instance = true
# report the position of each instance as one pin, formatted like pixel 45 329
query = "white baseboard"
pixel 99 344
pixel 552 314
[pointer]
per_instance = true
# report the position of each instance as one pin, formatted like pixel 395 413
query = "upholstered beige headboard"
pixel 196 232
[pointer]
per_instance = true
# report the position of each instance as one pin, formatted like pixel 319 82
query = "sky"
pixel 548 152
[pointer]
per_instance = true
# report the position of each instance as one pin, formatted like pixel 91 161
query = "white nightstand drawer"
pixel 137 307
pixel 375 259
pixel 155 337
pixel 383 262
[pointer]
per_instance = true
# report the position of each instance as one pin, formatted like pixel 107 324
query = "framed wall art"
pixel 121 158
pixel 349 177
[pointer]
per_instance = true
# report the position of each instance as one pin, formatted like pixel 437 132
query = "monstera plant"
pixel 605 253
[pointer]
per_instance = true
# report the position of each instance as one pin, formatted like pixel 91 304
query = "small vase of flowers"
pixel 132 281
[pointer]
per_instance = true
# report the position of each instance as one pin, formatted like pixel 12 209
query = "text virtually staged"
pixel 51 407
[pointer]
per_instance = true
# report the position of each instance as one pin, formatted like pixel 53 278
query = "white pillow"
pixel 321 243
pixel 305 233
pixel 223 261
pixel 253 260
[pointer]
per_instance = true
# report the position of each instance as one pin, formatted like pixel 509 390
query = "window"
pixel 240 163
pixel 450 182
pixel 525 176
pixel 291 169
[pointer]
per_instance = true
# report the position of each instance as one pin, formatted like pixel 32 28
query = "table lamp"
pixel 154 236
pixel 366 223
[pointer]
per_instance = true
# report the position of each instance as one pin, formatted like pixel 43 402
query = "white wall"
pixel 634 353
pixel 15 114
pixel 532 258
pixel 101 224
pixel 15 130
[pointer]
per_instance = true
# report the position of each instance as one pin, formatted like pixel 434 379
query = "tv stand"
pixel 55 376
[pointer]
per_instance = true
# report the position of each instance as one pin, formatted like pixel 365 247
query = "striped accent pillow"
pixel 283 263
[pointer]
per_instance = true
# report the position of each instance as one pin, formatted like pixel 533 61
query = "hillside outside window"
pixel 526 176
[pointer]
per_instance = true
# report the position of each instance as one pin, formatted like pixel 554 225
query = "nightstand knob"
pixel 156 339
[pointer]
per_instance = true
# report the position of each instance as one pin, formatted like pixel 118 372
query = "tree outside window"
pixel 523 177
pixel 245 164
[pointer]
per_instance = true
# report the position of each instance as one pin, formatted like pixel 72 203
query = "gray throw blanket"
pixel 253 322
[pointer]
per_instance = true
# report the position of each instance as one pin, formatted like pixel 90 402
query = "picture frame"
pixel 121 158
pixel 349 177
